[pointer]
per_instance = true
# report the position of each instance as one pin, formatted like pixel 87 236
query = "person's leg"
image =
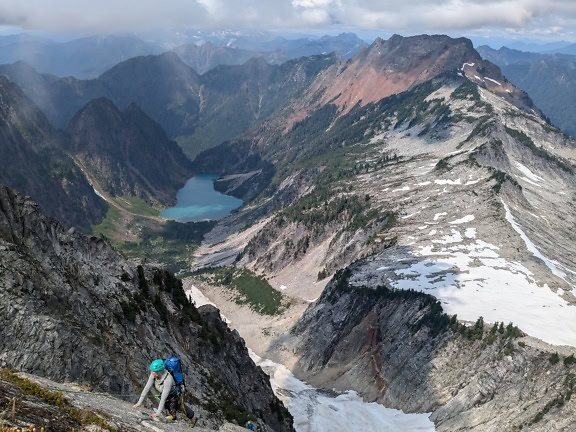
pixel 172 405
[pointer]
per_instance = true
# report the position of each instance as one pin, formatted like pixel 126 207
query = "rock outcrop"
pixel 398 348
pixel 72 309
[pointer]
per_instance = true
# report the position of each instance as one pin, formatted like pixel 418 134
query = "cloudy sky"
pixel 544 19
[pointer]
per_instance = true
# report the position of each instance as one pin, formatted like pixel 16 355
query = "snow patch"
pixel 493 80
pixel 551 264
pixel 465 219
pixel 439 215
pixel 526 171
pixel 315 410
pixel 447 181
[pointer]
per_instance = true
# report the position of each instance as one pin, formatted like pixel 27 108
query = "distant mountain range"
pixel 89 57
pixel 199 110
pixel 83 58
pixel 549 79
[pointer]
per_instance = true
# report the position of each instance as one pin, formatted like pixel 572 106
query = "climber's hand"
pixel 136 406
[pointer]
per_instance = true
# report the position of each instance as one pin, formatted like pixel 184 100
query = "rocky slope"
pixel 453 188
pixel 398 64
pixel 39 402
pixel 127 152
pixel 549 80
pixel 398 348
pixel 35 162
pixel 99 322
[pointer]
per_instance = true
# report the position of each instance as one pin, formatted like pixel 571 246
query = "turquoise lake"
pixel 198 200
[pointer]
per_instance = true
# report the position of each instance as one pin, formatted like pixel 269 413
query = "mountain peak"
pixel 392 66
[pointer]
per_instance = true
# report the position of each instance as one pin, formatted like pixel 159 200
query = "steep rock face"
pixel 96 321
pixel 35 163
pixel 127 152
pixel 396 347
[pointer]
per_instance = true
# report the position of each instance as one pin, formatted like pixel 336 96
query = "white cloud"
pixel 512 16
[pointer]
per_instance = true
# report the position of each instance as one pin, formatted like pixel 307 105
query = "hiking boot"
pixel 193 421
pixel 170 418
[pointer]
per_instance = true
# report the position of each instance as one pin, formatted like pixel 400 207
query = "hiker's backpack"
pixel 174 367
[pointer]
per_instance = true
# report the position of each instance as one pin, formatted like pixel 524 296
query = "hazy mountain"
pixel 550 80
pixel 537 47
pixel 568 49
pixel 127 152
pixel 83 58
pixel 35 163
pixel 201 111
pixel 205 57
pixel 347 44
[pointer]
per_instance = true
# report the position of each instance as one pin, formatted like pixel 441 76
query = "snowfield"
pixel 471 278
pixel 315 410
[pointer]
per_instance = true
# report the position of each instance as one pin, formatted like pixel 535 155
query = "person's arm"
pixel 149 385
pixel 166 387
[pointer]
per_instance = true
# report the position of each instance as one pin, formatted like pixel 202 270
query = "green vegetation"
pixel 250 289
pixel 554 358
pixel 136 205
pixel 109 226
pixel 57 399
pixel 173 245
pixel 570 360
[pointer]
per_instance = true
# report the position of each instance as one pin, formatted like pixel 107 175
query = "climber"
pixel 250 425
pixel 171 394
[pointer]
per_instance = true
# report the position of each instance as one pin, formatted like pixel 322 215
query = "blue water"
pixel 198 200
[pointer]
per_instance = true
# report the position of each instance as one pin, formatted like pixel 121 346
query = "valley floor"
pixel 313 409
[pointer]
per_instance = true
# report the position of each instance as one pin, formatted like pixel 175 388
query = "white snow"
pixel 405 188
pixel 478 78
pixel 455 237
pixel 465 219
pixel 432 232
pixel 470 233
pixel 493 80
pixel 439 215
pixel 472 280
pixel 527 180
pixel 426 183
pixel 410 215
pixel 448 181
pixel 99 194
pixel 468 64
pixel 551 264
pixel 315 410
pixel 526 171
